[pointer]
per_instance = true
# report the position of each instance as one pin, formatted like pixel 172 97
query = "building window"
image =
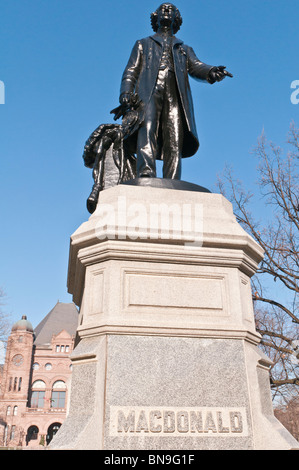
pixel 15 410
pixel 15 384
pixel 32 434
pixel 5 434
pixel 37 399
pixel 58 399
pixel 61 348
pixel 38 391
pixel 35 366
pixel 8 410
pixel 48 366
pixel 52 430
pixel 12 432
pixel 58 394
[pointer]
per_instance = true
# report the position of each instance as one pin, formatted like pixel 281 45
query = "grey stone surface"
pixel 83 426
pixel 174 374
pixel 81 409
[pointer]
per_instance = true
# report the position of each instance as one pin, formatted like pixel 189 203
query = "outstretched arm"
pixel 202 71
pixel 196 68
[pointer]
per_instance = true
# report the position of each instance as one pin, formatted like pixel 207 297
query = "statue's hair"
pixel 177 22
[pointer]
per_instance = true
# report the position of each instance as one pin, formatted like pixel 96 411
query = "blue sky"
pixel 61 62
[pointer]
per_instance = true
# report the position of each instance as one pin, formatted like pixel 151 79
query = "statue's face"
pixel 166 14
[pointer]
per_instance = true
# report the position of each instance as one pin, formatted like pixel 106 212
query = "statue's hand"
pixel 125 99
pixel 219 73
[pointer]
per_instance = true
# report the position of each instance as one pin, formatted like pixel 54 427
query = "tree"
pixel 4 331
pixel 4 323
pixel 288 415
pixel 275 287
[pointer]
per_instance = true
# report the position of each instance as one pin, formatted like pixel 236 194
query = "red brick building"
pixel 35 379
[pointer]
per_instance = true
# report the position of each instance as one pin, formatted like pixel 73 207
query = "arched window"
pixel 58 394
pixel 38 385
pixel 15 410
pixel 32 433
pixel 8 410
pixel 52 430
pixel 38 390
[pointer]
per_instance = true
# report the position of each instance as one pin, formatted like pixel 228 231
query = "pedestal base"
pixel 146 392
pixel 167 356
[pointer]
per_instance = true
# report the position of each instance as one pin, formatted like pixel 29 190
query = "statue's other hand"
pixel 124 99
pixel 219 73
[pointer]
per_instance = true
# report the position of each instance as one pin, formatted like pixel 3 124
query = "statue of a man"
pixel 158 72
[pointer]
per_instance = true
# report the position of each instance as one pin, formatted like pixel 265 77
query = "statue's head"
pixel 166 15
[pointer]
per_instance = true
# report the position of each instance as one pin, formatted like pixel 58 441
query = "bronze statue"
pixel 156 108
pixel 158 71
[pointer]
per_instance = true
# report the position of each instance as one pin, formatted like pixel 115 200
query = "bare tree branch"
pixel 4 320
pixel 277 308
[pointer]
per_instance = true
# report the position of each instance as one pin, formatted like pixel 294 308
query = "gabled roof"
pixel 63 334
pixel 61 317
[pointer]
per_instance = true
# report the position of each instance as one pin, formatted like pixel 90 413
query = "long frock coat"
pixel 141 73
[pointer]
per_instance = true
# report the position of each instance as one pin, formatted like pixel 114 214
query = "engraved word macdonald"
pixel 175 421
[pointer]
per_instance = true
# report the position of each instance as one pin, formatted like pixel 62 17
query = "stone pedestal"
pixel 167 354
